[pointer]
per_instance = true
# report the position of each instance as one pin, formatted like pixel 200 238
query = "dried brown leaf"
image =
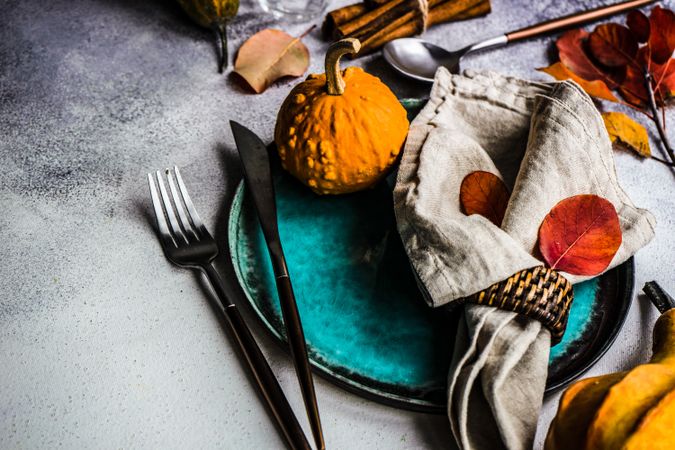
pixel 269 55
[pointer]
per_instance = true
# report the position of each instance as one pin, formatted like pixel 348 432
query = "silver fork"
pixel 187 243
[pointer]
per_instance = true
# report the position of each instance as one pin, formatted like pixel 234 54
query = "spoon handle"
pixel 573 20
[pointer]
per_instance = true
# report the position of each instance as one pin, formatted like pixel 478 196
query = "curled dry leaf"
pixel 269 55
pixel 580 235
pixel 624 130
pixel 484 193
pixel 596 88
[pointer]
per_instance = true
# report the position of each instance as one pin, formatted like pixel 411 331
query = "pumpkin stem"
pixel 334 82
pixel 222 33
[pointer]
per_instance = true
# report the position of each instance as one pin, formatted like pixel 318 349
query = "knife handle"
pixel 264 377
pixel 574 20
pixel 296 341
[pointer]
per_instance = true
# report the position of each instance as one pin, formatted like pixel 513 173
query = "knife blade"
pixel 258 175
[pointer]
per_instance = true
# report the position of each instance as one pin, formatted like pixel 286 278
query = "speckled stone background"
pixel 103 343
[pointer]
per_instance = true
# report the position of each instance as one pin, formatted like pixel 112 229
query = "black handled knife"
pixel 258 176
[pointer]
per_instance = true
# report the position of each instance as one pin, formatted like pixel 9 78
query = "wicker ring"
pixel 539 293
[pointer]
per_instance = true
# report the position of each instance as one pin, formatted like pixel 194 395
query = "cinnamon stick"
pixel 441 15
pixel 392 19
pixel 411 12
pixel 399 14
pixel 373 35
pixel 374 3
pixel 341 16
pixel 350 27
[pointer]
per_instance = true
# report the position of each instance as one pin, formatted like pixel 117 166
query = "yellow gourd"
pixel 340 132
pixel 624 411
pixel 213 14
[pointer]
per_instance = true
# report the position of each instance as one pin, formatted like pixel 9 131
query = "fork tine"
pixel 162 225
pixel 178 202
pixel 196 220
pixel 173 221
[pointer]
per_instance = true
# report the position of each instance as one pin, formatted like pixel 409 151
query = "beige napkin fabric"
pixel 548 142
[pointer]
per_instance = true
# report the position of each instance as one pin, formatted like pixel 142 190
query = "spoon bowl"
pixel 419 59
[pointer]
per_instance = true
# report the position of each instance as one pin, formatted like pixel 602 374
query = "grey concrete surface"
pixel 103 343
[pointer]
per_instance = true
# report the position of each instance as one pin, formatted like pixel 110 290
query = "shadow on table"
pixel 401 85
pixel 170 18
pixel 435 431
pixel 229 159
pixel 646 317
pixel 226 272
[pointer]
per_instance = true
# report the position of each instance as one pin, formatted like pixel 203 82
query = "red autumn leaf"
pixel 633 88
pixel 662 34
pixel 638 23
pixel 612 59
pixel 613 45
pixel 484 193
pixel 664 77
pixel 573 56
pixel 580 235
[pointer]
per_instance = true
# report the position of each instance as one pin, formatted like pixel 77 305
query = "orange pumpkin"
pixel 340 132
pixel 627 410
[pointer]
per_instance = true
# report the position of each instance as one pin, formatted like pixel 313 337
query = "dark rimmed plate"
pixel 365 322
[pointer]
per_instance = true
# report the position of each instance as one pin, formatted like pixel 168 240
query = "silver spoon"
pixel 419 59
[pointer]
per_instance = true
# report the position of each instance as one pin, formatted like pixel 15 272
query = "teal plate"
pixel 366 325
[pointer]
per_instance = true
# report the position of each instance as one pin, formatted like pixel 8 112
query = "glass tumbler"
pixel 295 11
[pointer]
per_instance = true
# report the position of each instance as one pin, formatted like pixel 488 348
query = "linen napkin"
pixel 548 142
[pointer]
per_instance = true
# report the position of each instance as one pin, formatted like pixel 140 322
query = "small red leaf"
pixel 573 56
pixel 639 25
pixel 662 34
pixel 486 194
pixel 613 45
pixel 580 235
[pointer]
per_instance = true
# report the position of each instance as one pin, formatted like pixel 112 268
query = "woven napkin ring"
pixel 539 293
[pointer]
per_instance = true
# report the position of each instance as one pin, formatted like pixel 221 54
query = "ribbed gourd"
pixel 340 132
pixel 213 14
pixel 631 410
